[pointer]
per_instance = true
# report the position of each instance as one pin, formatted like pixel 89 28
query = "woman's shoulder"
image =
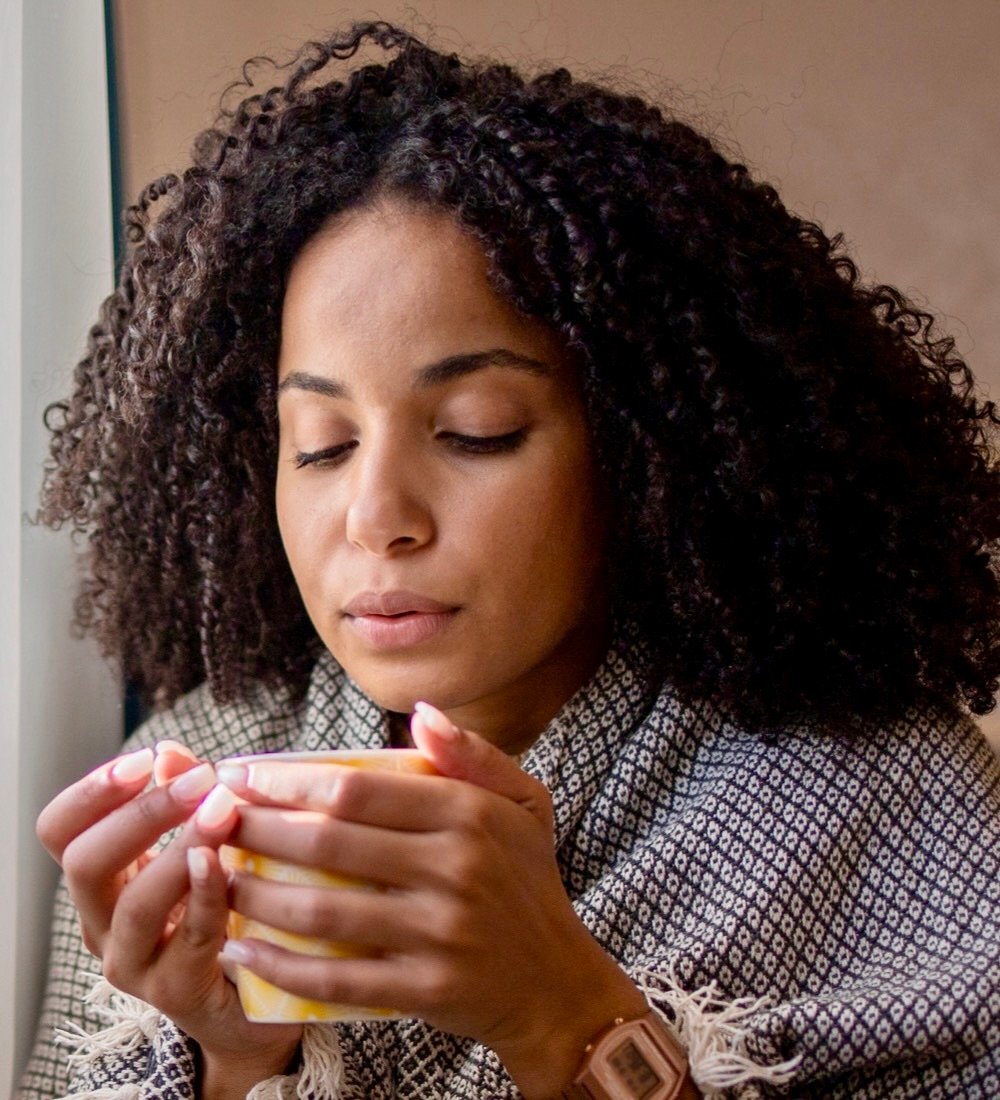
pixel 333 712
pixel 931 753
pixel 927 738
pixel 925 773
pixel 263 718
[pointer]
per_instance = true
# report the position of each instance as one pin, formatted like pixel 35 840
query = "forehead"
pixel 398 283
pixel 415 246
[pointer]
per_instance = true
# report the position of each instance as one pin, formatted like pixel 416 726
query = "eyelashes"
pixel 464 444
pixel 485 444
pixel 329 456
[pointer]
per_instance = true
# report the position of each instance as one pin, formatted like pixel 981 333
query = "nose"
pixel 388 511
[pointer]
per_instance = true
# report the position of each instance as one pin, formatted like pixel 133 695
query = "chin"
pixel 446 691
pixel 395 690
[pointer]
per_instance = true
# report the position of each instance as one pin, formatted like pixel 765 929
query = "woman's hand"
pixel 157 921
pixel 472 931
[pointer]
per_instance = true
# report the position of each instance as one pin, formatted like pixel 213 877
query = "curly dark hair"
pixel 803 476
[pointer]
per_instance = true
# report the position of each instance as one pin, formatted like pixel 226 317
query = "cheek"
pixel 543 536
pixel 305 528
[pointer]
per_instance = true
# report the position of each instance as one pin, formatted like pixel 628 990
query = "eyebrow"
pixel 434 374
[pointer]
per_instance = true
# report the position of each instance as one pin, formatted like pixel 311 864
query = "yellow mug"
pixel 263 1002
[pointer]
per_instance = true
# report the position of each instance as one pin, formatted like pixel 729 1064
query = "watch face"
pixel 637 1075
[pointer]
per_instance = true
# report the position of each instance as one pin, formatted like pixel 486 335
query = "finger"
pixel 345 848
pixel 461 754
pixel 363 917
pixel 144 908
pixel 172 759
pixel 203 927
pixel 91 798
pixel 389 983
pixel 95 860
pixel 391 800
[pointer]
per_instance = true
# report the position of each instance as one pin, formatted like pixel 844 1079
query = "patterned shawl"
pixel 813 916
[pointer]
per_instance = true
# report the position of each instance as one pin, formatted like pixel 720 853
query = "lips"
pixel 394 603
pixel 397 619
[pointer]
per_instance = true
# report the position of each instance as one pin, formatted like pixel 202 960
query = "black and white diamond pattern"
pixel 855 885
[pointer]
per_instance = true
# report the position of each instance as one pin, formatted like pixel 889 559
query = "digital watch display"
pixel 633 1060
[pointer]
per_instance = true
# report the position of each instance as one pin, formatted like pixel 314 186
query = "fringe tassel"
pixel 712 1030
pixel 322 1064
pixel 131 1023
pixel 714 1033
pixel 322 1072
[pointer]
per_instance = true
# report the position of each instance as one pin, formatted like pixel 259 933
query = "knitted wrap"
pixel 812 916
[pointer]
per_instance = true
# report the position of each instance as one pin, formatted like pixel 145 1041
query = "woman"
pixel 682 539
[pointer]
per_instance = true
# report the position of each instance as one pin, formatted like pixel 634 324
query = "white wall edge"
pixel 10 478
pixel 60 709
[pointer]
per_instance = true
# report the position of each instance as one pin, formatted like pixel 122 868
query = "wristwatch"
pixel 632 1060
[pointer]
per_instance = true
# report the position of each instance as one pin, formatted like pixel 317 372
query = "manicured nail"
pixel 163 769
pixel 174 746
pixel 438 722
pixel 134 766
pixel 216 808
pixel 236 776
pixel 237 951
pixel 193 785
pixel 198 865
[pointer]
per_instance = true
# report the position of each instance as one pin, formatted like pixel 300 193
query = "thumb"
pixel 462 754
pixel 172 760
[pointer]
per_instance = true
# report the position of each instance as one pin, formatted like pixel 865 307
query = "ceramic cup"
pixel 262 1001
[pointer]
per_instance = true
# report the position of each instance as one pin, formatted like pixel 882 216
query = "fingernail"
pixel 133 766
pixel 168 745
pixel 216 808
pixel 163 771
pixel 438 722
pixel 236 776
pixel 237 952
pixel 197 865
pixel 193 785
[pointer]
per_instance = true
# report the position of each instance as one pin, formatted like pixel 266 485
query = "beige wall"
pixel 880 118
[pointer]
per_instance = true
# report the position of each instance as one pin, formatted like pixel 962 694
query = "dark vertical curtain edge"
pixel 114 135
pixel 133 712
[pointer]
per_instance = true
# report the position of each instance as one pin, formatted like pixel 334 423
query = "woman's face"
pixel 436 491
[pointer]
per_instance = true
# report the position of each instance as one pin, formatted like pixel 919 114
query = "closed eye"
pixel 329 456
pixel 467 444
pixel 484 444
